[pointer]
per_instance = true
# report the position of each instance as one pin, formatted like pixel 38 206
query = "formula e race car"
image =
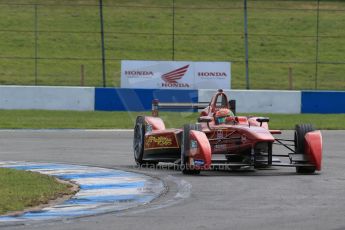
pixel 221 139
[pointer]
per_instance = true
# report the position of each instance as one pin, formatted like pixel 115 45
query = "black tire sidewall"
pixel 139 136
pixel 185 146
pixel 300 131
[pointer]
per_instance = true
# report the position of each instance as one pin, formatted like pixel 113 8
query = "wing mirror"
pixel 262 119
pixel 205 119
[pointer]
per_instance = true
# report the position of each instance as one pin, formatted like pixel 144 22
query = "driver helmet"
pixel 222 114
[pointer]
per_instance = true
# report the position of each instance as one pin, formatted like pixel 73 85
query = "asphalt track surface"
pixel 263 199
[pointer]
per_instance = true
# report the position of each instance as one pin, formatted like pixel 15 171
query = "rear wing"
pixel 157 106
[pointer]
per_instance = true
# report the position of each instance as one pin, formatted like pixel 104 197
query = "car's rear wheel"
pixel 300 132
pixel 185 146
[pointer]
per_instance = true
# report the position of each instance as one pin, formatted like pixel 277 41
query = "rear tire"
pixel 186 168
pixel 300 132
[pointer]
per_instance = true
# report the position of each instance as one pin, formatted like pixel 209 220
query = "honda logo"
pixel 171 78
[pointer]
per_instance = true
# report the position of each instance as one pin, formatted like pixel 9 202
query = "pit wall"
pixel 117 99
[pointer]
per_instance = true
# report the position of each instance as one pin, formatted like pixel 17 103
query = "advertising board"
pixel 175 75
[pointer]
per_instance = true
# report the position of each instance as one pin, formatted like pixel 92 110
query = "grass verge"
pixel 42 119
pixel 63 35
pixel 22 189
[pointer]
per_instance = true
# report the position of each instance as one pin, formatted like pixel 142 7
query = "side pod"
pixel 200 150
pixel 313 147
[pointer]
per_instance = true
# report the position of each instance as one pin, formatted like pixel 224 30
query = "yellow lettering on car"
pixel 160 141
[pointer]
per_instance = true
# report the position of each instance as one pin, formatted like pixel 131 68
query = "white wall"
pixel 83 98
pixel 47 97
pixel 260 101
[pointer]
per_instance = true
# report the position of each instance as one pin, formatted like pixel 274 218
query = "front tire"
pixel 300 132
pixel 186 168
pixel 138 140
pixel 305 169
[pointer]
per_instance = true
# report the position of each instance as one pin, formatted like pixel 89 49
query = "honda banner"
pixel 175 75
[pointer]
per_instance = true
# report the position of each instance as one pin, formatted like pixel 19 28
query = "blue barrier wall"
pixel 323 102
pixel 116 99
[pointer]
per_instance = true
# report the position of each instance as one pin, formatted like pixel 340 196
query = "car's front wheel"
pixel 300 132
pixel 186 168
pixel 138 140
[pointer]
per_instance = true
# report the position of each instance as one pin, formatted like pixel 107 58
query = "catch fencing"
pixel 290 44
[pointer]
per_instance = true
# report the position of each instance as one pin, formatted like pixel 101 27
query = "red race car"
pixel 221 139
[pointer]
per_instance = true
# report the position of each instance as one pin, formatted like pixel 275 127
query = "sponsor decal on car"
pixel 148 128
pixel 160 141
pixel 220 135
pixel 199 162
pixel 193 144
